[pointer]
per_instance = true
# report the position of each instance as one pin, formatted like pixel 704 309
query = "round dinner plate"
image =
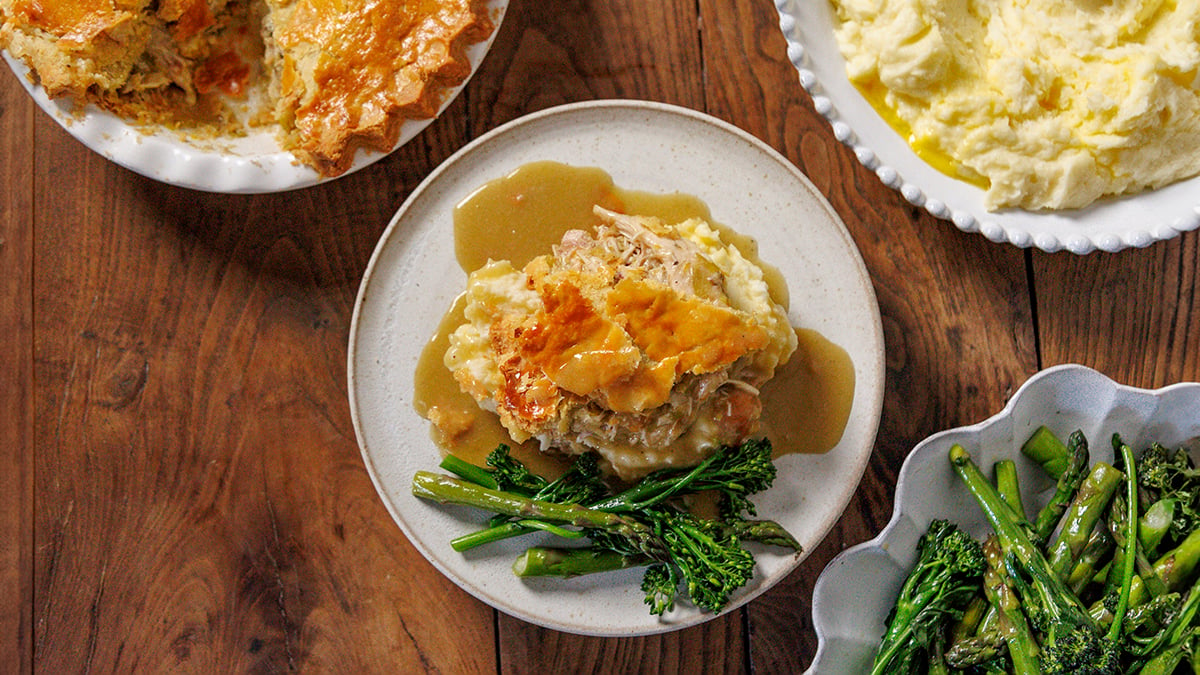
pixel 1111 224
pixel 250 164
pixel 413 277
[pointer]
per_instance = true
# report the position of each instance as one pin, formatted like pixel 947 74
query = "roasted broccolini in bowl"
pixel 1060 535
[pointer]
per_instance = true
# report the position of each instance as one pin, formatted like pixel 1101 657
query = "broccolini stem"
pixel 1174 568
pixel 488 535
pixel 1131 538
pixel 1013 538
pixel 649 493
pixel 994 508
pixel 544 561
pixel 1172 645
pixel 448 490
pixel 468 471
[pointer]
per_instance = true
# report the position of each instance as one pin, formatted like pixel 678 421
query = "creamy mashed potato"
pixel 643 342
pixel 1050 105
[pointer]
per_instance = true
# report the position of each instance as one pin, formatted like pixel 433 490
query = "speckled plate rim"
pixel 412 278
pixel 848 617
pixel 253 164
pixel 1110 225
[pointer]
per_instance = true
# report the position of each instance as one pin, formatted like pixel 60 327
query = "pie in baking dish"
pixel 335 75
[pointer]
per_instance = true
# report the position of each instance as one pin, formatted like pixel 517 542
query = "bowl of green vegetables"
pixel 1060 535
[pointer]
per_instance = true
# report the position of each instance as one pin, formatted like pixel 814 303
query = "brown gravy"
pixel 522 215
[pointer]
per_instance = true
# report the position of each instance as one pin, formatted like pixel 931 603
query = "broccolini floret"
pixel 641 526
pixel 1165 474
pixel 1072 641
pixel 946 576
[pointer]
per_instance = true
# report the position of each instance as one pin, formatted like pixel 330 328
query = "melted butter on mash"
pixel 644 342
pixel 1047 104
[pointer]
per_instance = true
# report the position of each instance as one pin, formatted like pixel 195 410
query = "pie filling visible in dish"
pixel 335 75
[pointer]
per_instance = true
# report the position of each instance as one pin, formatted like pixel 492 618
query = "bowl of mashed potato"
pixel 1062 125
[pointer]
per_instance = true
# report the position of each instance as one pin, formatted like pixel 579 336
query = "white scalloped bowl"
pixel 855 592
pixel 1108 225
pixel 250 164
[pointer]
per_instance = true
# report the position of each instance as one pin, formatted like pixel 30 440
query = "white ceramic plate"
pixel 849 615
pixel 1109 225
pixel 412 278
pixel 251 164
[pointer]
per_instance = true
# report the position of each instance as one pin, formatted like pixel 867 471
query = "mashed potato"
pixel 643 342
pixel 1050 105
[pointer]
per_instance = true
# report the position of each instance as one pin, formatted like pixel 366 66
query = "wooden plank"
pixel 202 504
pixel 712 647
pixel 955 307
pixel 1134 316
pixel 16 376
pixel 549 54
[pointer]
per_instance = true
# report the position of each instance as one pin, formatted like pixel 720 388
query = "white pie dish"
pixel 1108 225
pixel 412 278
pixel 849 615
pixel 250 164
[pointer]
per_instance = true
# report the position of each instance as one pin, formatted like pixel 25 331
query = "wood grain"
pixel 16 377
pixel 203 503
pixel 183 491
pixel 1134 316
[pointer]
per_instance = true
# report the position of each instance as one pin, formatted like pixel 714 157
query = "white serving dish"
pixel 849 615
pixel 250 164
pixel 1108 225
pixel 412 279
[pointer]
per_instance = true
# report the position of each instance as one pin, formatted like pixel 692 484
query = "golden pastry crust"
pixel 339 74
pixel 643 342
pixel 349 79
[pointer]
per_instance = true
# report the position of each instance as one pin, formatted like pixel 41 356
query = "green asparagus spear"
pixel 1068 484
pixel 1022 646
pixel 1086 509
pixel 1044 448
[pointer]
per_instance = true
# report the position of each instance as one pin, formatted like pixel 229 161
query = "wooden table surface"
pixel 181 486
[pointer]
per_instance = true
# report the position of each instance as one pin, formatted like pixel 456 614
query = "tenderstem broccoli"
pixel 1177 640
pixel 641 526
pixel 734 471
pixel 947 573
pixel 1073 642
pixel 1166 474
pixel 713 567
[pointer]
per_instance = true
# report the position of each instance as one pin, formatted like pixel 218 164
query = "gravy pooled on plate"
pixel 646 337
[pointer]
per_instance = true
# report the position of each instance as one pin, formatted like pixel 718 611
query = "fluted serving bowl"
pixel 855 592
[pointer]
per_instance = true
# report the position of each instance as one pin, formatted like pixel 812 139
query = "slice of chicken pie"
pixel 335 75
